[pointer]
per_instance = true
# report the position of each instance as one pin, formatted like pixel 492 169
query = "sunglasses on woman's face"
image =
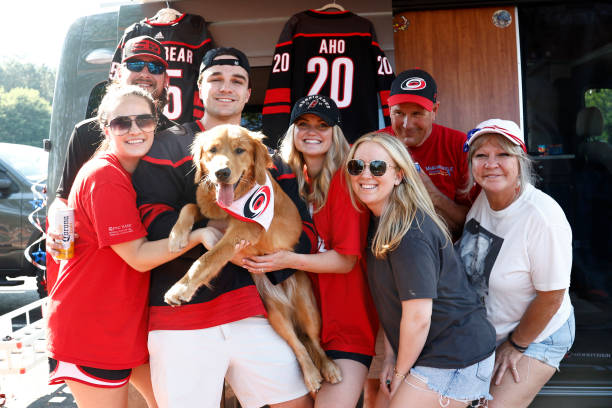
pixel 155 68
pixel 122 124
pixel 377 167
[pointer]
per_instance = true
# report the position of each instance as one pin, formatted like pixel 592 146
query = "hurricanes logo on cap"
pixel 413 84
pixel 146 45
pixel 312 104
pixel 257 202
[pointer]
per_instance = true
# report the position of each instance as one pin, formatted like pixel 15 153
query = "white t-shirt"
pixel 509 254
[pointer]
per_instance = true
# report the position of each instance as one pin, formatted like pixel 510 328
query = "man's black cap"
pixel 209 59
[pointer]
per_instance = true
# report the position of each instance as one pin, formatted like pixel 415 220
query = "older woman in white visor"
pixel 517 251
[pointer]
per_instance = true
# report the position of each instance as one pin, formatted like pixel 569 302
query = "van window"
pixel 566 60
pixel 95 97
pixel 251 118
pixel 602 100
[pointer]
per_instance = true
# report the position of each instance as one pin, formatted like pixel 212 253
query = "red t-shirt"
pixel 348 316
pixel 442 157
pixel 98 307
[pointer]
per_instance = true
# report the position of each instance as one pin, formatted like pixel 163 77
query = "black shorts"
pixel 358 357
pixel 59 371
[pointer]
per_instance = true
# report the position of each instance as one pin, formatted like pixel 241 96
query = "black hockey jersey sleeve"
pixel 164 183
pixel 334 54
pixel 185 40
pixel 84 140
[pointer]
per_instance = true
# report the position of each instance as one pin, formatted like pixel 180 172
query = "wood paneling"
pixel 473 62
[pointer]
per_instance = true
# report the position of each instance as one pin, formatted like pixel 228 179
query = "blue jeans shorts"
pixel 552 349
pixel 461 384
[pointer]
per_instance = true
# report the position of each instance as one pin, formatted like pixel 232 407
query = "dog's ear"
pixel 262 157
pixel 196 154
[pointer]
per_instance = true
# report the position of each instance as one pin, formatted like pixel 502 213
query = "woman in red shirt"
pixel 98 308
pixel 315 148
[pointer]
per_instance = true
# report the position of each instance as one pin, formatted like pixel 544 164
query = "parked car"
pixel 23 178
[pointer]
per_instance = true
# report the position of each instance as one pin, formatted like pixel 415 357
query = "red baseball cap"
pixel 416 86
pixel 144 46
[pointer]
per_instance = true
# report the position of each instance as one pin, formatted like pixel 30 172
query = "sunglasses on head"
pixel 122 124
pixel 154 68
pixel 377 167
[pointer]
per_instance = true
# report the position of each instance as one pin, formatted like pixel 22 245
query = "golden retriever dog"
pixel 229 160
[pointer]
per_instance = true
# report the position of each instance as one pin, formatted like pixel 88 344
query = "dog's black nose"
pixel 223 174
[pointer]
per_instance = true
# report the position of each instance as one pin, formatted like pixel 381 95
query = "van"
pixel 546 65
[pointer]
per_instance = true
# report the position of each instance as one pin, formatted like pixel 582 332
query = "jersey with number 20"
pixel 334 54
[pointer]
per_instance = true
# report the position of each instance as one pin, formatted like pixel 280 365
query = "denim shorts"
pixel 462 384
pixel 552 349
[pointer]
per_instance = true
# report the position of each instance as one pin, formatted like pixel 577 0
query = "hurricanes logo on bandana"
pixel 257 202
pixel 413 84
pixel 257 205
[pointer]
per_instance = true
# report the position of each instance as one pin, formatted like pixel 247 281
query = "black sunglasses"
pixel 122 124
pixel 154 68
pixel 377 167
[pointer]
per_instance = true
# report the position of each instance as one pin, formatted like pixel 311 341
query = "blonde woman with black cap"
pixel 315 148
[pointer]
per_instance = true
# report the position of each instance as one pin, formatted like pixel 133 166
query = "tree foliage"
pixel 24 116
pixel 26 94
pixel 602 99
pixel 17 74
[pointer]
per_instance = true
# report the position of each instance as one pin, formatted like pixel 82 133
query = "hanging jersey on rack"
pixel 334 54
pixel 186 40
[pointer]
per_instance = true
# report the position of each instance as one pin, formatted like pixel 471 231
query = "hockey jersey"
pixel 186 40
pixel 334 54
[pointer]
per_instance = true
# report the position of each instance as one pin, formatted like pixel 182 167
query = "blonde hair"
pixel 317 192
pixel 526 174
pixel 405 200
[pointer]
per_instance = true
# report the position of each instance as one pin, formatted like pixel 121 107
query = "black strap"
pixel 516 346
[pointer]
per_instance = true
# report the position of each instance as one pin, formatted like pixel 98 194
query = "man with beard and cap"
pixel 143 64
pixel 413 106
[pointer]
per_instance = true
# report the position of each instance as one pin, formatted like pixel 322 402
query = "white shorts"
pixel 188 366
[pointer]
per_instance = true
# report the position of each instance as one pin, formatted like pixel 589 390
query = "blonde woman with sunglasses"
pixel 98 308
pixel 439 346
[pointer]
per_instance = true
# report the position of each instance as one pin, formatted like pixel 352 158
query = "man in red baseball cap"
pixel 413 105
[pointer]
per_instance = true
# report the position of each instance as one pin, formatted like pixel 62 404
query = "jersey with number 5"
pixel 334 54
pixel 186 40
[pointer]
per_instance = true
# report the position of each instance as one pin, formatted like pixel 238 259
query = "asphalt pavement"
pixel 29 390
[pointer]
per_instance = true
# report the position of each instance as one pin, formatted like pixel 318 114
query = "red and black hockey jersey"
pixel 164 183
pixel 186 40
pixel 334 54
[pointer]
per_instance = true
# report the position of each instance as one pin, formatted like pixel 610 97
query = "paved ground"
pixel 29 389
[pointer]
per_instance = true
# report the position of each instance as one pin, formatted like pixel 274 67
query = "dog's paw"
pixel 331 372
pixel 177 240
pixel 178 294
pixel 313 380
